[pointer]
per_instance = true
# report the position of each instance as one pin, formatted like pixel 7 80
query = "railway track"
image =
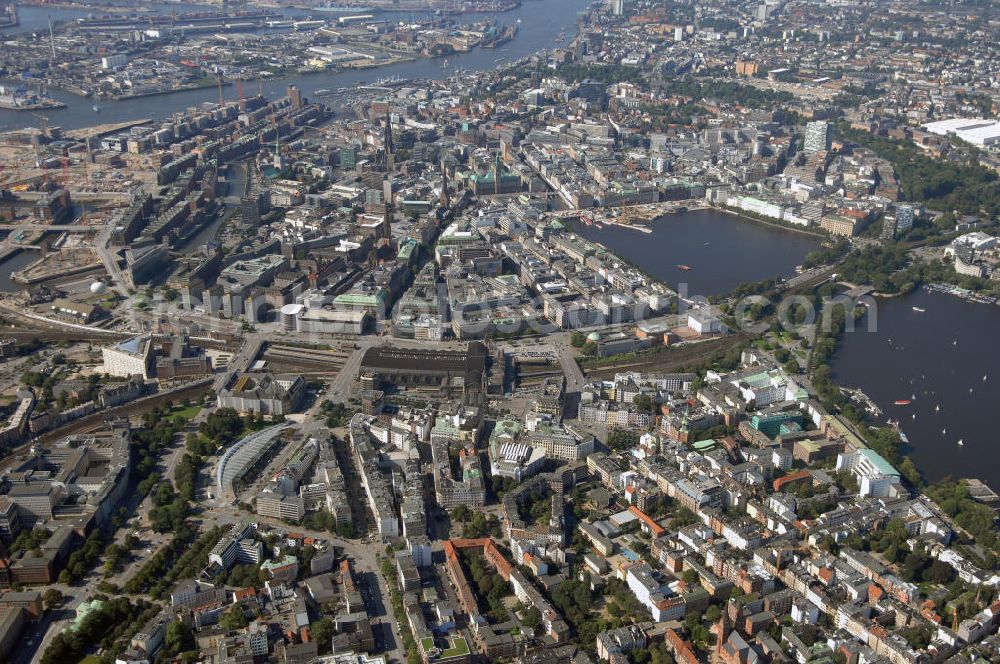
pixel 306 358
pixel 94 421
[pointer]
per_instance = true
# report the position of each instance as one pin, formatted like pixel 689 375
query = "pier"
pixel 963 293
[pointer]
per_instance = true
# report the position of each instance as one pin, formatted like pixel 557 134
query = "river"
pixel 541 22
pixel 721 249
pixel 944 361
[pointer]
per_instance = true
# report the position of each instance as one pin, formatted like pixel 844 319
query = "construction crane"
pixel 86 166
pixel 64 165
pixel 43 121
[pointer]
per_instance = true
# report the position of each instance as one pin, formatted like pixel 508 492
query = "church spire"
pixel 390 149
pixel 496 173
pixel 445 195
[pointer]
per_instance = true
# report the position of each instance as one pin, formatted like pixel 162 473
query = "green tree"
pixel 939 572
pixel 644 403
pixel 52 598
pixel 622 439
pixel 177 638
pixel 233 618
pixel 322 632
pixel 532 618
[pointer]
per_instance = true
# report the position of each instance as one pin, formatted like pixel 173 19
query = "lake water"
pixel 937 358
pixel 541 22
pixel 721 249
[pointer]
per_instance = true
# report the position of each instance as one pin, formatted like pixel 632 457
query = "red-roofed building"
pixel 648 524
pixel 795 478
pixel 245 595
pixel 679 648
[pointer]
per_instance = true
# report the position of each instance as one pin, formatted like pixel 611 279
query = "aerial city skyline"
pixel 535 331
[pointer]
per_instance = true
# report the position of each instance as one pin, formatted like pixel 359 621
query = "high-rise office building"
pixel 904 217
pixel 818 137
pixel 295 96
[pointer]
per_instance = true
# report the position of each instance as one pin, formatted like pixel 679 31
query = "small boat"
pixel 960 443
pixel 902 437
pixel 322 92
pixel 944 431
pixel 937 408
pixel 955 342
pixel 970 390
pixel 913 417
pixel 684 268
pixel 97 109
pixel 919 310
pixel 984 377
pixel 598 226
pixel 901 402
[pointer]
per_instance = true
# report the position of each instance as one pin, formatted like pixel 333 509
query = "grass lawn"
pixel 189 412
pixel 458 646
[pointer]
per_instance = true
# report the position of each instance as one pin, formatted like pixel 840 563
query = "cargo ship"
pixel 336 9
pixel 501 37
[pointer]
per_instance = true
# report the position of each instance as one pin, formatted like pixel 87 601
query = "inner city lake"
pixel 721 249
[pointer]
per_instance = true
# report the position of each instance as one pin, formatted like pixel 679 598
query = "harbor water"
pixel 541 23
pixel 15 263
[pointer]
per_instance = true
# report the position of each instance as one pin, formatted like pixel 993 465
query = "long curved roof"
pixel 245 453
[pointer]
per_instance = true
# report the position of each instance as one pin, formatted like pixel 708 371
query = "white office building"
pixel 129 358
pixel 876 476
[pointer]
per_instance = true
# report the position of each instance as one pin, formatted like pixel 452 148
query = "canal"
pixel 721 249
pixel 942 360
pixel 15 263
